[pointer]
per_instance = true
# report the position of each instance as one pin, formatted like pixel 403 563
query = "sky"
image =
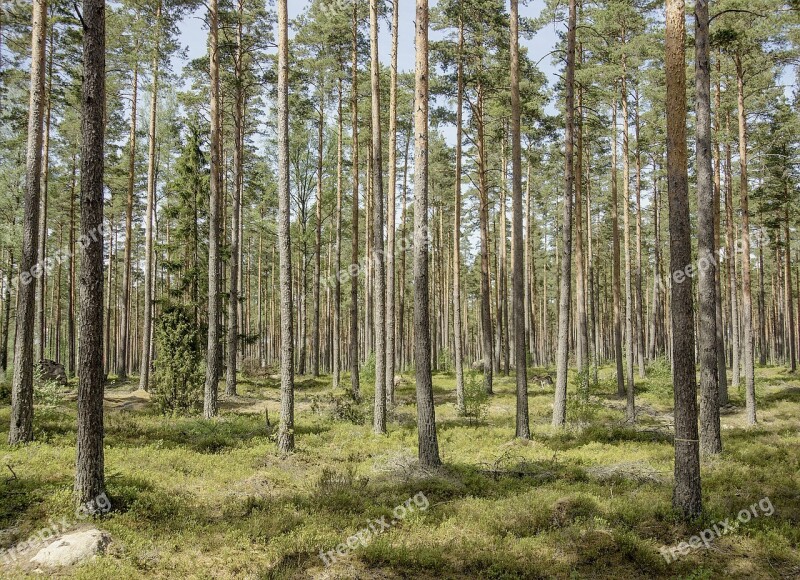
pixel 193 36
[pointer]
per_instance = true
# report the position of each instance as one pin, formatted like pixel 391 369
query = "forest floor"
pixel 213 499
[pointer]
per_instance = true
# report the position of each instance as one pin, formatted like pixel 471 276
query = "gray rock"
pixel 73 548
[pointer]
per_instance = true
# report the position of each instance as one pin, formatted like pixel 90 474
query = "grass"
pixel 213 499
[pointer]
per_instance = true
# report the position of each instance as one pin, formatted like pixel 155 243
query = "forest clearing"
pixel 399 289
pixel 193 498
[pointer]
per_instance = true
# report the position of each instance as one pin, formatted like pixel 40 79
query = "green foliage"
pixel 45 393
pixel 476 400
pixel 367 370
pixel 178 376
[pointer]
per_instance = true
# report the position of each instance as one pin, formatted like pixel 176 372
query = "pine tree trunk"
pixel 89 470
pixel 615 274
pixel 286 428
pixel 687 497
pixel 788 286
pixel 21 428
pixel 483 211
pixel 747 301
pixel 710 437
pixel 565 297
pixel 238 168
pixel 144 370
pixel 354 326
pixel 125 301
pixel 630 409
pixel 315 333
pixel 6 313
pixel 426 416
pixel 337 290
pixel 379 279
pixel 458 340
pixel 518 283
pixel 40 336
pixel 392 202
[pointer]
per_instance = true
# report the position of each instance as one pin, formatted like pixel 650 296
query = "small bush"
pixel 476 400
pixel 46 393
pixel 178 376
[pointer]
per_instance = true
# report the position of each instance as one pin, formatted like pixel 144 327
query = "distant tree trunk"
pixel 125 301
pixel 457 325
pixel 236 252
pixel 6 313
pixel 710 437
pixel 518 284
pixel 89 471
pixel 144 370
pixel 392 201
pixel 630 409
pixel 315 334
pixel 214 354
pixel 337 290
pixel 72 346
pixel 40 337
pixel 747 301
pixel 639 301
pixel 379 292
pixel 722 371
pixel 730 256
pixel 687 498
pixel 483 212
pixel 615 272
pixel 565 297
pixel 354 327
pixel 788 285
pixel 426 416
pixel 286 428
pixel 582 342
pixel 21 428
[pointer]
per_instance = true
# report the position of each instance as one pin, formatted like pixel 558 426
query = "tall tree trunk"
pixel 565 297
pixel 149 293
pixel 72 346
pixel 615 273
pixel 315 334
pixel 6 313
pixel 354 265
pixel 125 301
pixel 483 192
pixel 234 302
pixel 730 256
pixel 687 498
pixel 286 428
pixel 630 409
pixel 379 292
pixel 89 470
pixel 21 428
pixel 639 301
pixel 747 300
pixel 518 284
pixel 582 342
pixel 457 324
pixel 722 371
pixel 392 202
pixel 214 351
pixel 788 286
pixel 710 437
pixel 337 291
pixel 40 336
pixel 426 416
